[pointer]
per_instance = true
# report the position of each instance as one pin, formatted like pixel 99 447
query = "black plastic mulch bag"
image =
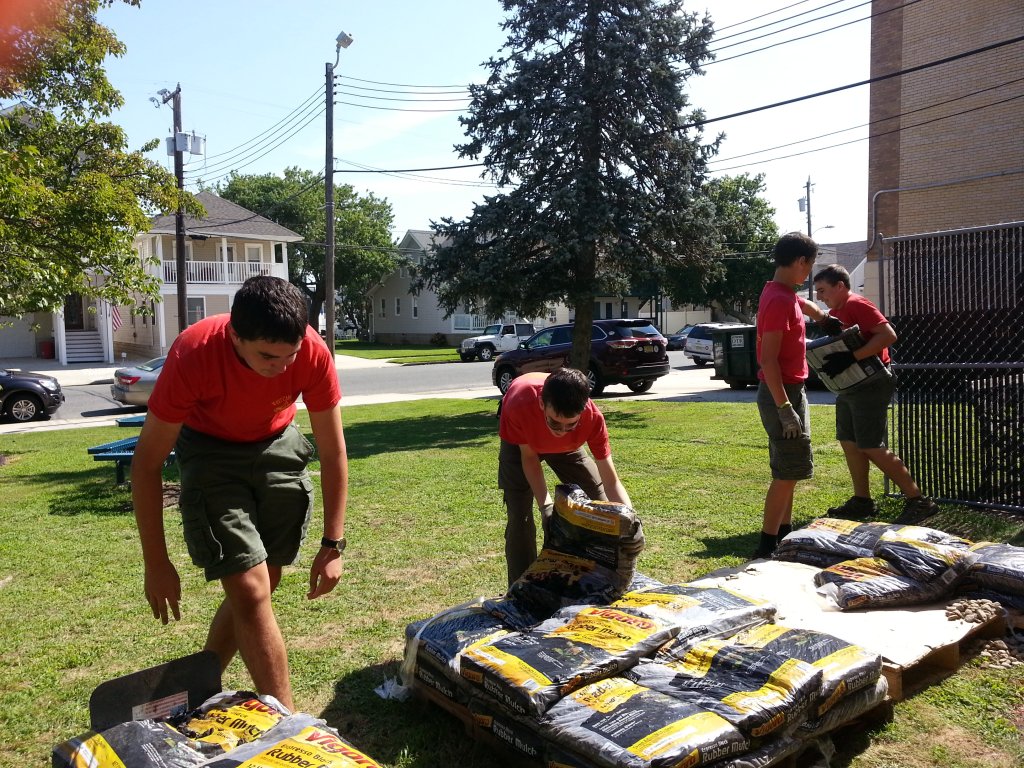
pixel 616 722
pixel 871 582
pixel 604 531
pixel 852 706
pixel 699 611
pixel 553 581
pixel 999 567
pixel 941 563
pixel 760 692
pixel 231 718
pixel 136 743
pixel 829 540
pixel 845 667
pixel 433 646
pixel 529 671
pixel 299 739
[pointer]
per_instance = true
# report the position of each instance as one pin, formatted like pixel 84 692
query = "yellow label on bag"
pixel 672 736
pixel 607 628
pixel 510 668
pixel 310 748
pixel 592 517
pixel 607 695
pixel 664 600
pixel 92 753
pixel 237 724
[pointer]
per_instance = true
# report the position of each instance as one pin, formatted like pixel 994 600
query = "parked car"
pixel 134 385
pixel 698 346
pixel 678 339
pixel 25 396
pixel 497 338
pixel 627 351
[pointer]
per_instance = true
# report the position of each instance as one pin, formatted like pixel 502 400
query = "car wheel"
pixel 737 385
pixel 486 353
pixel 505 378
pixel 467 358
pixel 643 385
pixel 596 384
pixel 25 407
pixel 700 362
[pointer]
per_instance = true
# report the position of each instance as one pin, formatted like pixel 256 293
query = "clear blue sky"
pixel 252 80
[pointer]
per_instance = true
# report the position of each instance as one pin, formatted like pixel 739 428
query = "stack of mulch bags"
pixel 879 565
pixel 586 663
pixel 230 729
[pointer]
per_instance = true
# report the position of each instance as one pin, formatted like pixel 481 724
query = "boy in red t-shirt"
pixel 225 400
pixel 549 418
pixel 781 397
pixel 861 415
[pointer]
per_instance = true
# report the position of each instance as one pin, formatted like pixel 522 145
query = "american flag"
pixel 115 316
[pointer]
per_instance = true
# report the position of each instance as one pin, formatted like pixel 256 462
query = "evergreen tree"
pixel 578 123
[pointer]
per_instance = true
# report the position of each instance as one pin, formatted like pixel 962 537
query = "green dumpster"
pixel 735 352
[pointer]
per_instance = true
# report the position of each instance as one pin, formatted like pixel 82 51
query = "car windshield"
pixel 492 330
pixel 152 365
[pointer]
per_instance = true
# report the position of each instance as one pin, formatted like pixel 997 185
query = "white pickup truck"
pixel 497 338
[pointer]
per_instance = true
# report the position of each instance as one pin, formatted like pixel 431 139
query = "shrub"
pixel 439 340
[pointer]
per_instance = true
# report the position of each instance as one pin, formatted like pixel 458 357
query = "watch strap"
pixel 336 544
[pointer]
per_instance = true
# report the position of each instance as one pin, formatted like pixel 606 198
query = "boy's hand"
pixel 837 362
pixel 830 326
pixel 791 426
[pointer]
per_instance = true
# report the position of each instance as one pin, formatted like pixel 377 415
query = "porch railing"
pixel 221 271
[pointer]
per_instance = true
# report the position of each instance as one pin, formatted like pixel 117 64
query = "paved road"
pixel 88 402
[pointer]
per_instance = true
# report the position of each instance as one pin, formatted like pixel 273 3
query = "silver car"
pixel 133 385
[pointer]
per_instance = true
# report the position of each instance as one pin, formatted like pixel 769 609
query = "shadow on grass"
pixel 88 493
pixel 369 438
pixel 412 732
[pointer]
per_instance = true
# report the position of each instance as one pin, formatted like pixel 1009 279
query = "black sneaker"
pixel 916 510
pixel 854 508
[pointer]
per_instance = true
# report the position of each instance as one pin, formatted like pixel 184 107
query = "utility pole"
pixel 808 198
pixel 179 216
pixel 343 41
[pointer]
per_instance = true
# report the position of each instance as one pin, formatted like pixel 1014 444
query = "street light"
pixel 343 41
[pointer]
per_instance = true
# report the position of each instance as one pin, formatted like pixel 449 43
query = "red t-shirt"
pixel 206 386
pixel 523 423
pixel 860 311
pixel 780 310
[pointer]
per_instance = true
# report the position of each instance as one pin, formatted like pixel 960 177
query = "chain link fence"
pixel 956 299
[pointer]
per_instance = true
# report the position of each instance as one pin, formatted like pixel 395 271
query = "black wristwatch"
pixel 338 545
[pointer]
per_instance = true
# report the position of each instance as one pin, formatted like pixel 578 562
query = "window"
pixel 195 308
pixel 398 306
pixel 403 271
pixel 608 310
pixel 415 307
pixel 624 309
pixel 229 252
pixel 383 308
pixel 597 310
pixel 253 253
pixel 279 253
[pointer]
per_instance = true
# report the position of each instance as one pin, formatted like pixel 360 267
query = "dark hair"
pixel 792 246
pixel 270 309
pixel 833 274
pixel 567 391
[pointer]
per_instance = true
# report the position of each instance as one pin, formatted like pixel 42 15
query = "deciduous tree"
pixel 579 125
pixel 72 195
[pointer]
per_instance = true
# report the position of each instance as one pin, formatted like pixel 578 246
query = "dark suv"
pixel 630 352
pixel 25 396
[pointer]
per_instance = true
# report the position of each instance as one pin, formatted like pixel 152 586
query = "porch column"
pixel 224 258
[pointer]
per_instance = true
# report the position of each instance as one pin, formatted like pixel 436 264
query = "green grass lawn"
pixel 399 353
pixel 425 532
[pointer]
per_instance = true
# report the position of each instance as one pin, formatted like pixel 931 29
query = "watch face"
pixel 338 545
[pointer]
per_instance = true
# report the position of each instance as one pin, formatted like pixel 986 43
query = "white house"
pixel 398 316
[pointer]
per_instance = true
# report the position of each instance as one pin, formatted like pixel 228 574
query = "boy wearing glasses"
pixel 548 418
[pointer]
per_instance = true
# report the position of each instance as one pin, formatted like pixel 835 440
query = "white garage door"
pixel 16 340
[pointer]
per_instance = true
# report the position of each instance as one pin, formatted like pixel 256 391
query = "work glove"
pixel 830 326
pixel 791 426
pixel 837 362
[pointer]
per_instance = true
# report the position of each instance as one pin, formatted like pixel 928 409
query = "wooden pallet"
pixel 918 644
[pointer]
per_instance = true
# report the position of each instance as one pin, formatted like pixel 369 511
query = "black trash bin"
pixel 735 351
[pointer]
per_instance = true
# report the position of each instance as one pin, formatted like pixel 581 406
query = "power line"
pixel 794 26
pixel 249 141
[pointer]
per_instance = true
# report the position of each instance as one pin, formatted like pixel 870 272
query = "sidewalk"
pixel 79 374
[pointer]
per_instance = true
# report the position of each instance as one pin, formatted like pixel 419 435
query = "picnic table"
pixel 121 451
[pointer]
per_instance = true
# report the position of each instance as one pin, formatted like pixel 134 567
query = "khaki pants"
pixel 575 467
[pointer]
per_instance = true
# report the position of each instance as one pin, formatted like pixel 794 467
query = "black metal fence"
pixel 956 299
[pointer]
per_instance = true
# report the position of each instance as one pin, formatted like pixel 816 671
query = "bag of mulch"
pixel 553 581
pixel 871 582
pixel 760 692
pixel 846 709
pixel 606 532
pixel 943 563
pixel 433 646
pixel 845 667
pixel 999 567
pixel 298 740
pixel 699 611
pixel 136 743
pixel 829 540
pixel 520 734
pixel 529 671
pixel 230 718
pixel 772 752
pixel 616 722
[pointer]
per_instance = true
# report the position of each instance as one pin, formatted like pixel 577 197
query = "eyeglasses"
pixel 560 426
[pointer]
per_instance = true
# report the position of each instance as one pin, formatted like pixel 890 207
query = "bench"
pixel 120 452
